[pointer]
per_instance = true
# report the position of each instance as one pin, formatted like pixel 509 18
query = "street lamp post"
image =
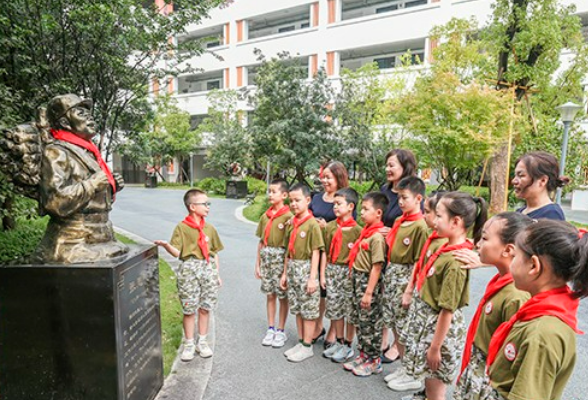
pixel 191 169
pixel 568 112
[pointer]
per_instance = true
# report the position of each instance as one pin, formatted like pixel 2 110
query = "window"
pixel 211 85
pixel 286 29
pixel 382 10
pixel 305 25
pixel 417 58
pixel 209 45
pixel 415 3
pixel 385 62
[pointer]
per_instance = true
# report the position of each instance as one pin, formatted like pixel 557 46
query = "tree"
pixel 292 124
pixel 229 140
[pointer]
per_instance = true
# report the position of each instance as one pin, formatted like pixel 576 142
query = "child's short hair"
pixel 434 198
pixel 349 194
pixel 191 193
pixel 302 187
pixel 378 199
pixel 413 184
pixel 282 184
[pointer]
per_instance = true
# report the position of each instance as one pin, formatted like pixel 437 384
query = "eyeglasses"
pixel 206 204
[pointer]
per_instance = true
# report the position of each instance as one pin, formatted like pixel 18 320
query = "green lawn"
pixel 253 212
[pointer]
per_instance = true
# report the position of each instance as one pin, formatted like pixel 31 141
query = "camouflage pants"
pixel 307 305
pixel 197 285
pixel 395 280
pixel 422 323
pixel 474 382
pixel 491 394
pixel 339 290
pixel 271 268
pixel 368 321
pixel 406 336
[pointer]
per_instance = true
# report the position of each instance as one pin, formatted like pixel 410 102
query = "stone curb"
pixel 239 215
pixel 187 380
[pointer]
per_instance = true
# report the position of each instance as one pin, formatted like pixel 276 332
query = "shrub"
pixel 212 185
pixel 363 188
pixel 256 186
pixel 20 243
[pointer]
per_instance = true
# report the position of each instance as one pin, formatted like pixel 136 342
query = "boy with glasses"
pixel 196 243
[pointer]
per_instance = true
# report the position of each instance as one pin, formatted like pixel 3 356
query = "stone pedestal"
pixel 81 332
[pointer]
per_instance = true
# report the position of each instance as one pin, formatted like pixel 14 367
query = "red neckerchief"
pixel 582 232
pixel 391 236
pixel 271 215
pixel 494 286
pixel 419 264
pixel 191 222
pixel 444 249
pixel 367 232
pixel 560 303
pixel 88 145
pixel 296 222
pixel 337 241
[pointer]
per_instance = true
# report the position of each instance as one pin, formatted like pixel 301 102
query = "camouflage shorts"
pixel 271 268
pixel 422 324
pixel 307 305
pixel 339 291
pixel 395 281
pixel 474 384
pixel 197 285
pixel 491 394
pixel 367 321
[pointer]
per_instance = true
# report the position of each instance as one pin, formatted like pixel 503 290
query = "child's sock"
pixel 340 340
pixel 272 328
pixel 280 330
pixel 202 338
pixel 348 343
pixel 189 341
pixel 305 344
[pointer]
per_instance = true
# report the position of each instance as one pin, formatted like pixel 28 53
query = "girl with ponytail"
pixel 532 355
pixel 435 315
pixel 501 301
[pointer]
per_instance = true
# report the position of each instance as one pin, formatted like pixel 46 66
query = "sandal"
pixel 320 335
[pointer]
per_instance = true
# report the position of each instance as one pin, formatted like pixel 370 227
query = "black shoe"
pixel 386 360
pixel 320 335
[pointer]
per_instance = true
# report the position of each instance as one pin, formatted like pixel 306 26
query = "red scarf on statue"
pixel 191 222
pixel 494 286
pixel 444 249
pixel 391 237
pixel 273 215
pixel 337 241
pixel 88 145
pixel 560 303
pixel 296 222
pixel 367 232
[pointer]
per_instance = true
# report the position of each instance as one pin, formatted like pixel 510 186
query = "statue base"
pixel 90 332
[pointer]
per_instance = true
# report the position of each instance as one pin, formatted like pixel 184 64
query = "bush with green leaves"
pixel 18 244
pixel 363 187
pixel 256 186
pixel 212 185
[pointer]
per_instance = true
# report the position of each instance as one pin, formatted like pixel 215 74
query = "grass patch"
pixel 124 239
pixel 253 212
pixel 171 316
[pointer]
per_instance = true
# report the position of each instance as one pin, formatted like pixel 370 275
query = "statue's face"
pixel 81 121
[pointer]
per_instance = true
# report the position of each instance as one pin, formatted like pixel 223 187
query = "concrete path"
pixel 241 367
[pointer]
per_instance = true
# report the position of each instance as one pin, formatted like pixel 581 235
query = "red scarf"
pixel 582 232
pixel 88 145
pixel 391 237
pixel 296 222
pixel 271 215
pixel 337 241
pixel 494 286
pixel 560 303
pixel 419 265
pixel 444 249
pixel 367 232
pixel 191 222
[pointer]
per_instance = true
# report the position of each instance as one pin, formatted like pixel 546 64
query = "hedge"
pixel 21 242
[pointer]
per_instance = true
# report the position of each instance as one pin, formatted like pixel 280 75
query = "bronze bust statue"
pixel 61 167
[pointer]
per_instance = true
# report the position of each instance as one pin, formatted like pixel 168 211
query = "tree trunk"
pixel 8 222
pixel 498 183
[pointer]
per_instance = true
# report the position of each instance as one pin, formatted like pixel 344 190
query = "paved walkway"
pixel 242 368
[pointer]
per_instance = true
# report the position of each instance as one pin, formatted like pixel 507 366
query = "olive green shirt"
pixel 435 245
pixel 185 239
pixel 447 285
pixel 375 253
pixel 277 231
pixel 535 361
pixel 409 242
pixel 308 238
pixel 497 310
pixel 350 235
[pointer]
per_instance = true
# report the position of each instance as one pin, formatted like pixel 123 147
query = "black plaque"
pixel 81 332
pixel 236 189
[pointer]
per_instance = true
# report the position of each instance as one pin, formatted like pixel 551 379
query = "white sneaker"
pixel 302 354
pixel 405 383
pixel 332 349
pixel 398 372
pixel 279 339
pixel 292 350
pixel 203 349
pixel 188 353
pixel 268 338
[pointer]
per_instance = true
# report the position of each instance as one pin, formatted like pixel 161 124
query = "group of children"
pixel 520 344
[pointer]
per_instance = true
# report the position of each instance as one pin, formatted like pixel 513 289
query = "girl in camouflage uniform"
pixel 500 301
pixel 436 317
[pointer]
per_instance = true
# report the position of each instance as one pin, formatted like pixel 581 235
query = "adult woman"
pixel 536 177
pixel 400 163
pixel 334 176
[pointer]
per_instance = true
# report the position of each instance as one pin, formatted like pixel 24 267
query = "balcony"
pixel 200 82
pixel 283 21
pixel 210 37
pixel 387 56
pixel 351 9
